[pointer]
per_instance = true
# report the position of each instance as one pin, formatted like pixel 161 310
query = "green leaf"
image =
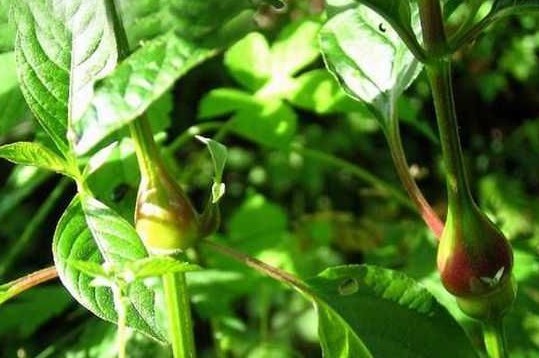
pixel 218 154
pixel 7 30
pixel 389 313
pixel 319 92
pixel 156 266
pixel 90 231
pixel 395 12
pixel 203 21
pixel 223 101
pixel 249 61
pixel 295 47
pixel 373 65
pixel 35 154
pixel 267 122
pixel 62 48
pixel 132 87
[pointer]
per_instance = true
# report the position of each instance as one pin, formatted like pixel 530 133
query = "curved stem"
pixel 429 216
pixel 439 74
pixel 494 336
pixel 180 326
pixel 146 150
pixel 356 171
pixel 260 266
pixel 13 288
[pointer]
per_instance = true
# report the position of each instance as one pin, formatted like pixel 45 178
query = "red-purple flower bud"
pixel 475 261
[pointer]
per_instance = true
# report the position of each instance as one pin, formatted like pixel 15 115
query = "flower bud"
pixel 164 217
pixel 475 261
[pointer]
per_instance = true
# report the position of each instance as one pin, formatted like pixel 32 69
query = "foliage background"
pixel 286 203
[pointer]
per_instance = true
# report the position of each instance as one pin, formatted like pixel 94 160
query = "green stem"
pixel 146 150
pixel 432 24
pixel 261 267
pixel 403 171
pixel 180 324
pixel 439 74
pixel 13 288
pixel 356 171
pixel 120 305
pixel 494 336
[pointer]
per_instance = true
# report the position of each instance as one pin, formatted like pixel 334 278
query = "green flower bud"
pixel 164 217
pixel 475 261
pixel 491 305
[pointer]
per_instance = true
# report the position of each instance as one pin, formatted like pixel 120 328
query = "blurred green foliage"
pixel 287 208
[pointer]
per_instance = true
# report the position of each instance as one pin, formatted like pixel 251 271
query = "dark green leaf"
pixel 90 231
pixel 35 154
pixel 385 311
pixel 373 66
pixel 132 87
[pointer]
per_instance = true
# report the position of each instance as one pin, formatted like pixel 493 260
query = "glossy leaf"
pixel 35 154
pixel 62 48
pixel 369 59
pixel 385 311
pixel 397 13
pixel 132 87
pixel 90 231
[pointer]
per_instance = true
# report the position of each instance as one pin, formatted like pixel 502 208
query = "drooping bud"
pixel 164 216
pixel 475 261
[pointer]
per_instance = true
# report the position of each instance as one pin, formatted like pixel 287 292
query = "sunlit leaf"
pixel 90 231
pixel 391 315
pixel 369 59
pixel 35 154
pixel 132 87
pixel 62 48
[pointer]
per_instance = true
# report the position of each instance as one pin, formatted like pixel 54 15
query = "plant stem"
pixel 120 306
pixel 262 267
pixel 24 283
pixel 401 165
pixel 432 24
pixel 494 336
pixel 439 74
pixel 180 324
pixel 356 171
pixel 146 150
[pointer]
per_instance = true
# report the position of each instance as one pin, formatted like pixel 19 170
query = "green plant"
pixel 132 248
